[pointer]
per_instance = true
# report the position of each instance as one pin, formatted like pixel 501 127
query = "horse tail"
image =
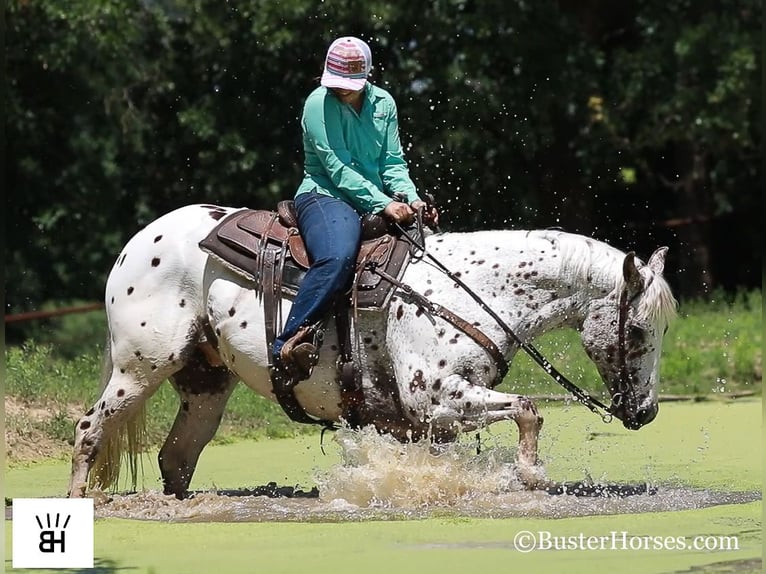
pixel 123 446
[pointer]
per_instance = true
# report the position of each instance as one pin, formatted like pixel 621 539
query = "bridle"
pixel 624 391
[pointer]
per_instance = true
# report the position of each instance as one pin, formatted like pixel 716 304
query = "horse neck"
pixel 546 278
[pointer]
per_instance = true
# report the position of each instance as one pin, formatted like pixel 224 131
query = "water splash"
pixel 378 471
pixel 379 478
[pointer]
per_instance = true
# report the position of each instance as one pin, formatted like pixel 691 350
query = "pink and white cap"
pixel 347 65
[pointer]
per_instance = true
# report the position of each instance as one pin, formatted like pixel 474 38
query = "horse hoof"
pixel 533 476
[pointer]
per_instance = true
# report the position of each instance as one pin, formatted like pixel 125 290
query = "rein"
pixel 591 402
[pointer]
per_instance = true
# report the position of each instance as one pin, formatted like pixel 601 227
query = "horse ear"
pixel 657 261
pixel 630 273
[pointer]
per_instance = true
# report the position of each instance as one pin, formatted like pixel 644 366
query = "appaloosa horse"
pixel 166 299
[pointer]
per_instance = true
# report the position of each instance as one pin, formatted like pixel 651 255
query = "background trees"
pixel 635 122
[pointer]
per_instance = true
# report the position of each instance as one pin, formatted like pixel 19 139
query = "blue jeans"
pixel 331 230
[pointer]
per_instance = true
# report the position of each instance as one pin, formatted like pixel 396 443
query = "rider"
pixel 353 165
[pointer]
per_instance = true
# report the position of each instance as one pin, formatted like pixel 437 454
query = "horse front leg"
pixel 459 404
pixel 530 422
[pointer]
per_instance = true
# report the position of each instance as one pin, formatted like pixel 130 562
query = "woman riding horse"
pixel 354 164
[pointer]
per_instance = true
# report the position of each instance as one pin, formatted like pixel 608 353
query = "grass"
pixel 718 346
pixel 37 376
pixel 714 347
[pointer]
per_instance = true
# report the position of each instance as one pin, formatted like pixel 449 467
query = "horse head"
pixel 622 334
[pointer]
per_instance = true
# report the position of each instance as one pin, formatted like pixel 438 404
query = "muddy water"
pixel 381 479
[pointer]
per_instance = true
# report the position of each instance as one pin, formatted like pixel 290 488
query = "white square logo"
pixel 52 533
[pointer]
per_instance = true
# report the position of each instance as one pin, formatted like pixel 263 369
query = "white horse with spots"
pixel 166 299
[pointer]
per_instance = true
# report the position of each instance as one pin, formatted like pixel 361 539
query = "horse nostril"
pixel 644 416
pixel 648 415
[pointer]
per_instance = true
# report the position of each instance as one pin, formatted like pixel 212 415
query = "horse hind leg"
pixel 461 405
pixel 204 391
pixel 114 419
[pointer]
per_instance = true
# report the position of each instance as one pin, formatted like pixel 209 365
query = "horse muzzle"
pixel 635 419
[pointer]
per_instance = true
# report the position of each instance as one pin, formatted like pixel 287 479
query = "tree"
pixel 676 108
pixel 634 121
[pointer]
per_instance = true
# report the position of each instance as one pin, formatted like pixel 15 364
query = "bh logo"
pixel 48 538
pixel 52 533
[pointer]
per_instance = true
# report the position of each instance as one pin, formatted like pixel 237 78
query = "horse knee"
pixel 87 435
pixel 460 403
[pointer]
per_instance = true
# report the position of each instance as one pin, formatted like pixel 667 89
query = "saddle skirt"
pixel 266 247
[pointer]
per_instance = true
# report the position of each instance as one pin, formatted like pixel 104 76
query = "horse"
pixel 167 300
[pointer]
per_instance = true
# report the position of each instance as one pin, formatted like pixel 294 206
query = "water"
pixel 214 507
pixel 381 479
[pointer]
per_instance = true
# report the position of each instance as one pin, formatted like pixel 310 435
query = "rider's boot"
pixel 298 356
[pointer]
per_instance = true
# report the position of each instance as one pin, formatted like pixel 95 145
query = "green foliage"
pixel 250 415
pixel 247 415
pixel 606 121
pixel 60 427
pixel 38 375
pixel 717 347
pixel 34 372
pixel 72 335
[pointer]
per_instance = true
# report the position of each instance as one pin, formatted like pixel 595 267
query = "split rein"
pixel 591 402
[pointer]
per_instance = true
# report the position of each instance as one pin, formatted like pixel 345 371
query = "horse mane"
pixel 657 304
pixel 585 259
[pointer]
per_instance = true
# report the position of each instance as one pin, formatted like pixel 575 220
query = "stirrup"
pixel 282 380
pixel 295 365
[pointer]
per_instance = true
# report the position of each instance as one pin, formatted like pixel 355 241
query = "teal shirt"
pixel 354 157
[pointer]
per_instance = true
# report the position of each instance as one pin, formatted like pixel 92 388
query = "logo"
pixel 52 533
pixel 48 538
pixel 356 67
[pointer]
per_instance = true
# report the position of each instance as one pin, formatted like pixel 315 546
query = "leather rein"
pixel 591 402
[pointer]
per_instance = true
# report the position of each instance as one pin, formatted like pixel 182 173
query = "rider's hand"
pixel 430 215
pixel 399 212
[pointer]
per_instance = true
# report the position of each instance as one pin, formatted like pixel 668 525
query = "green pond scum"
pixel 713 446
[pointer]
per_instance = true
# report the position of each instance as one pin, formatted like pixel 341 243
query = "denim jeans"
pixel 331 230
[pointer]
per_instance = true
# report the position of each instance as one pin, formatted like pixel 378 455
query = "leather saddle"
pixel 266 246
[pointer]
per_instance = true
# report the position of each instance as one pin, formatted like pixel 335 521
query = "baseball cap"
pixel 347 65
